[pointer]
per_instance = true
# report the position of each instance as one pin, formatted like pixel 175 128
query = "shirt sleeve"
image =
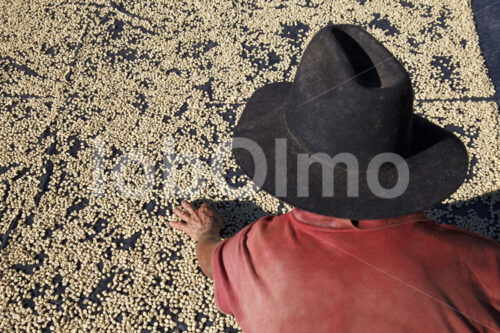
pixel 227 267
pixel 221 280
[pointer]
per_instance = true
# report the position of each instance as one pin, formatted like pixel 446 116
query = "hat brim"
pixel 437 164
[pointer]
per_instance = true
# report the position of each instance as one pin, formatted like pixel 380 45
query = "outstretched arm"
pixel 203 225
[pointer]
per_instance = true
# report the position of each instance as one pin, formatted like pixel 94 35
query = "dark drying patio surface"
pixel 90 91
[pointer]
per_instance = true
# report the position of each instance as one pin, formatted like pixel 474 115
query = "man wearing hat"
pixel 356 254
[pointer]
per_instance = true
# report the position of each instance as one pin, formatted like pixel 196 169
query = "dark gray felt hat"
pixel 350 95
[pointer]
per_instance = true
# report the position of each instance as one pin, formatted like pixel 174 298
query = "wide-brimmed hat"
pixel 348 112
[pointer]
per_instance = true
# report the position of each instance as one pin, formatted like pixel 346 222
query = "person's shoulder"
pixel 260 225
pixel 462 238
pixel 269 222
pixel 269 227
pixel 447 246
pixel 265 220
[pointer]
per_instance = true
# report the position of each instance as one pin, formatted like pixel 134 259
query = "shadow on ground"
pixel 479 214
pixel 237 214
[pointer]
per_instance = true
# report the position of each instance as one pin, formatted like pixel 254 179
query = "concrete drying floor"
pixel 90 90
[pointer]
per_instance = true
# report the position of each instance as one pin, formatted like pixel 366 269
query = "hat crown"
pixel 350 95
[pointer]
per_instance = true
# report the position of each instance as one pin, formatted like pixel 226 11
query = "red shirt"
pixel 408 274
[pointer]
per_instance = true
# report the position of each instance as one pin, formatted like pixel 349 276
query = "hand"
pixel 197 222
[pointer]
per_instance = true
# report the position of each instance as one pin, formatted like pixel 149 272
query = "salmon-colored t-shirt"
pixel 408 274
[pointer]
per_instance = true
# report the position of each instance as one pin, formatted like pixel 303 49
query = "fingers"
pixel 182 215
pixel 191 214
pixel 207 207
pixel 204 206
pixel 178 225
pixel 187 206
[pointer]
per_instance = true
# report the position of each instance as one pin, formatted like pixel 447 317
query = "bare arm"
pixel 203 225
pixel 205 250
